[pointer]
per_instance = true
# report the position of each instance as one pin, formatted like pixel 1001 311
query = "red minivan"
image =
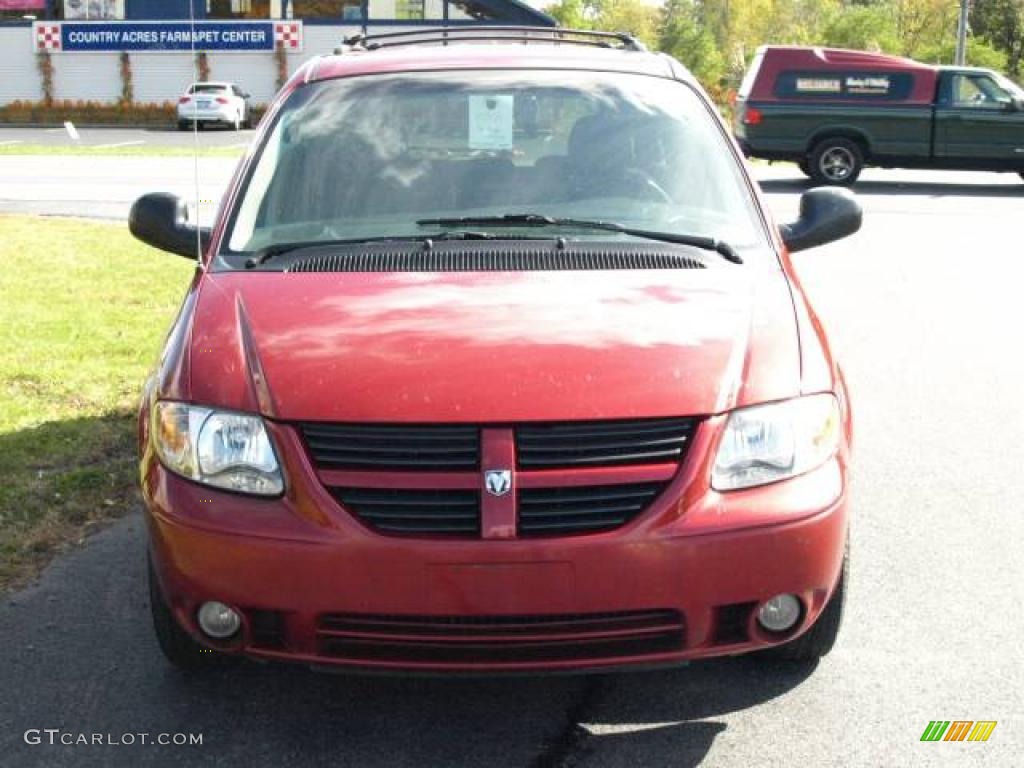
pixel 494 361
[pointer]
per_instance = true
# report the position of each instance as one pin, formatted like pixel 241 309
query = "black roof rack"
pixel 475 33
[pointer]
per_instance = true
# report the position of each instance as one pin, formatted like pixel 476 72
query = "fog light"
pixel 780 613
pixel 218 620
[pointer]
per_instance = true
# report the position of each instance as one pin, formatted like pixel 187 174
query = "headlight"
pixel 766 443
pixel 221 448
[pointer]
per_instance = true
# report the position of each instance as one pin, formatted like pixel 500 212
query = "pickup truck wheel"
pixel 820 638
pixel 177 644
pixel 836 161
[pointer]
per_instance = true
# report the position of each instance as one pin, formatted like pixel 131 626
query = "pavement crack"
pixel 568 747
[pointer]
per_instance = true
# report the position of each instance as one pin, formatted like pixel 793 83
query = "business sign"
pixel 22 5
pixel 157 36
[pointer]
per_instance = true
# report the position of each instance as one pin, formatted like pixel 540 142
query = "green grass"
pixel 84 309
pixel 145 150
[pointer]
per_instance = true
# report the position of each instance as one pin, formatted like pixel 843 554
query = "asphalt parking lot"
pixel 104 186
pixel 111 138
pixel 924 310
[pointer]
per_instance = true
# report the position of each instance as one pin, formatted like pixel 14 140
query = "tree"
pixel 716 39
pixel 1001 24
pixel 862 27
pixel 631 16
pixel 979 54
pixel 922 26
pixel 569 13
pixel 684 34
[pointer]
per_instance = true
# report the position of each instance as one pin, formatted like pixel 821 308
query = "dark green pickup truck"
pixel 835 111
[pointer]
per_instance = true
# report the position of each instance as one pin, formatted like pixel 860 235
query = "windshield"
pixel 207 88
pixel 369 157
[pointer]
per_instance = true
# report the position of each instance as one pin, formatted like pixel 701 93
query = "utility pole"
pixel 961 34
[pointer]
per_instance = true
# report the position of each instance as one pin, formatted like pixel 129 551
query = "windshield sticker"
pixel 491 118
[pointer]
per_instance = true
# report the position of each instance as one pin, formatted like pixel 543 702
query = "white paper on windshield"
pixel 491 120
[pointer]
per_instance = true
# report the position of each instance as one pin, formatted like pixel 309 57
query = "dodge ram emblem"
pixel 498 482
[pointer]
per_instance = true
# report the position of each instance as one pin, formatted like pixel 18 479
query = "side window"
pixel 432 10
pixel 238 9
pixel 977 92
pixel 349 10
pixel 469 9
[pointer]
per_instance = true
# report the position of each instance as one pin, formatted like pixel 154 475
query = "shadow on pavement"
pixel 921 188
pixel 643 718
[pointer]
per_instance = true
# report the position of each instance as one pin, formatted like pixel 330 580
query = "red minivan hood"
pixel 493 347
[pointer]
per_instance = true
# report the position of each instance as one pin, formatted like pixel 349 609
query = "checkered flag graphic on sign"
pixel 288 35
pixel 48 37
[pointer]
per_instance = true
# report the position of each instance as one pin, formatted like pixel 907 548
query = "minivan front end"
pixel 494 370
pixel 569 568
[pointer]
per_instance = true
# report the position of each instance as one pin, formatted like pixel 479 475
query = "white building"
pixel 86 38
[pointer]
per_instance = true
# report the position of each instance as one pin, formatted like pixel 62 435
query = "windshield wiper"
pixel 263 255
pixel 538 220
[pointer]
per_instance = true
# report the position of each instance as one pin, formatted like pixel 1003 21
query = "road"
pixel 925 311
pixel 105 186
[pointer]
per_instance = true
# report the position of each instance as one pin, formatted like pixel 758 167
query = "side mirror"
pixel 826 215
pixel 160 219
pixel 1016 104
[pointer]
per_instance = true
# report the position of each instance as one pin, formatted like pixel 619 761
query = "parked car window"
pixel 238 9
pixel 369 156
pixel 978 92
pixel 206 88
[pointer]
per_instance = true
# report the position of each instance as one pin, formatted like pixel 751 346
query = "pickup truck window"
pixel 975 91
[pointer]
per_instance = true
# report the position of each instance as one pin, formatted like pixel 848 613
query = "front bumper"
pixel 444 605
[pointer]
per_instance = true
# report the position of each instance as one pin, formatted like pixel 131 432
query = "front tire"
pixel 819 639
pixel 836 162
pixel 177 644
